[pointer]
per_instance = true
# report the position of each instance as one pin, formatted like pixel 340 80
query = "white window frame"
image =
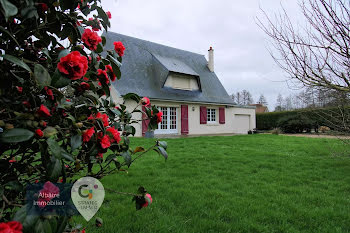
pixel 211 116
pixel 167 118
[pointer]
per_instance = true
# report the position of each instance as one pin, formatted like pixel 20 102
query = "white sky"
pixel 242 60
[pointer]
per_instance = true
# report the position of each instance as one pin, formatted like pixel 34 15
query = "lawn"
pixel 248 183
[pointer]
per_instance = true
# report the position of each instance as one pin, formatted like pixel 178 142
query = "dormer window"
pixel 182 82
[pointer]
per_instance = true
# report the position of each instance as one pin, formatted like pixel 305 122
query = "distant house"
pixel 259 108
pixel 184 87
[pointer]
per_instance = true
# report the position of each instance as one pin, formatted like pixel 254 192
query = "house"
pixel 259 108
pixel 183 85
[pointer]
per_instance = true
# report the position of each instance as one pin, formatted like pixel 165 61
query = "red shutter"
pixel 144 122
pixel 203 114
pixel 222 115
pixel 184 119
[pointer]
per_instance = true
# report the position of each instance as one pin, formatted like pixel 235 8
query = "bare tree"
pixel 262 100
pixel 319 53
pixel 279 103
pixel 247 98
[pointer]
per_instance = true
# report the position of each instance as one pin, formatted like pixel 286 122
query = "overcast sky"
pixel 242 60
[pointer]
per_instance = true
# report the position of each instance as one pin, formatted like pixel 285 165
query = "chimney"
pixel 211 59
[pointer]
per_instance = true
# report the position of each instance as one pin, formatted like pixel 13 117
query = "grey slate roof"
pixel 146 66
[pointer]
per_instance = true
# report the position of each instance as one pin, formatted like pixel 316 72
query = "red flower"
pixel 43 7
pixel 91 39
pixel 102 76
pixel 19 89
pixel 119 48
pixel 98 58
pixel 109 70
pixel 39 132
pixel 88 134
pixel 86 79
pixel 84 86
pixel 83 231
pixel 43 111
pixel 115 134
pixel 145 101
pixel 150 198
pixel 43 123
pixel 109 14
pixel 49 93
pixel 105 142
pixel 12 161
pixel 100 155
pixel 11 227
pixel 159 117
pixel 26 103
pixel 103 117
pixel 73 65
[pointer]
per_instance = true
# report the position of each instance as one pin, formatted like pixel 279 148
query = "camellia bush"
pixel 58 121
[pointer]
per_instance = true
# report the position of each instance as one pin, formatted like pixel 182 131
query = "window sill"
pixel 212 124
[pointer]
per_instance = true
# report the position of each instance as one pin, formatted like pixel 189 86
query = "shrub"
pixel 58 121
pixel 295 124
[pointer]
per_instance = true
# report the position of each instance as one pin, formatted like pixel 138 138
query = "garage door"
pixel 241 123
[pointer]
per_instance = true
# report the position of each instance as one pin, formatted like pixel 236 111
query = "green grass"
pixel 250 183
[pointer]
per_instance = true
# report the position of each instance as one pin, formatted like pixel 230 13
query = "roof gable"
pixel 146 65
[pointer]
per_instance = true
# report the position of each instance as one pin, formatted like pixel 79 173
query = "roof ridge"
pixel 155 43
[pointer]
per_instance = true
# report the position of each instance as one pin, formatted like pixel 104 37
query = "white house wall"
pixel 231 126
pixel 195 128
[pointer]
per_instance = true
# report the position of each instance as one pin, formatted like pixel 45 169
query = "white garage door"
pixel 241 123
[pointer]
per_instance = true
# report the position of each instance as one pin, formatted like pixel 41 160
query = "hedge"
pixel 335 117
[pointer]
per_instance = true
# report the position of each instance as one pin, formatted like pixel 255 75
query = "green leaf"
pixel 16 135
pixel 21 214
pixel 42 226
pixel 29 12
pixel 110 157
pixel 63 53
pixel 99 48
pixel 132 96
pixel 42 76
pixel 102 14
pixel 9 9
pixel 115 66
pixel 54 169
pixel 66 155
pixel 163 152
pixel 103 40
pixel 17 61
pixel 163 144
pixel 54 147
pixel 127 158
pixel 14 185
pixel 46 52
pixel 75 142
pixel 49 131
pixel 2 29
pixel 59 80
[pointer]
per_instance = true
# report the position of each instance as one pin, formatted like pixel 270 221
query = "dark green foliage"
pixel 295 124
pixel 334 118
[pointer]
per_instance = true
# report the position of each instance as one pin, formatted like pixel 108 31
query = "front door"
pixel 169 121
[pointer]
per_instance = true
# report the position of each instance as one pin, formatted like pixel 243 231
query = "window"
pixel 182 82
pixel 211 115
pixel 169 120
